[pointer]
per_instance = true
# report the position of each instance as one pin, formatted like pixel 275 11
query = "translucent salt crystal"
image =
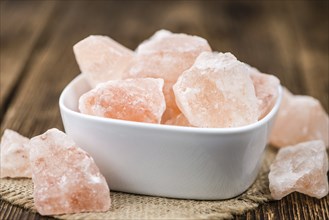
pixel 165 66
pixel 145 66
pixel 66 179
pixel 300 119
pixel 14 155
pixel 266 88
pixel 139 100
pixel 166 55
pixel 164 41
pixel 179 120
pixel 101 59
pixel 217 92
pixel 156 36
pixel 302 168
pixel 172 109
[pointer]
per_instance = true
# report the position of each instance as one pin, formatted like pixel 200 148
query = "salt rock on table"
pixel 66 179
pixel 140 100
pixel 217 92
pixel 302 168
pixel 101 59
pixel 166 55
pixel 14 155
pixel 266 88
pixel 300 119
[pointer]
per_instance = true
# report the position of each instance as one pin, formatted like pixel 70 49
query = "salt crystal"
pixel 300 119
pixel 266 88
pixel 14 155
pixel 302 168
pixel 164 41
pixel 166 55
pixel 156 36
pixel 172 109
pixel 139 100
pixel 165 66
pixel 217 92
pixel 66 179
pixel 101 59
pixel 179 120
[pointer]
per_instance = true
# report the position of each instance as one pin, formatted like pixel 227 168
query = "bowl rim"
pixel 164 127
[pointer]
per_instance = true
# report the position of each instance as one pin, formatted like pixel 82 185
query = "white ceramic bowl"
pixel 164 160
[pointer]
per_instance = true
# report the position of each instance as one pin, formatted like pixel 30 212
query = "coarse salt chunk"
pixel 166 55
pixel 300 118
pixel 179 120
pixel 66 179
pixel 101 59
pixel 164 41
pixel 266 88
pixel 140 100
pixel 14 155
pixel 302 168
pixel 217 92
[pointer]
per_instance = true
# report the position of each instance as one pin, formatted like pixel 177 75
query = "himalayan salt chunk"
pixel 300 119
pixel 172 109
pixel 266 88
pixel 164 41
pixel 14 155
pixel 217 92
pixel 66 179
pixel 302 168
pixel 166 55
pixel 179 120
pixel 139 100
pixel 101 59
pixel 166 67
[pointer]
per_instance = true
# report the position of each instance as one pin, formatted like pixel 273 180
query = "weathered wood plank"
pixel 19 35
pixel 283 35
pixel 312 38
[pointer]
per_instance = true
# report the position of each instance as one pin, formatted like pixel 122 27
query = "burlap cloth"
pixel 130 206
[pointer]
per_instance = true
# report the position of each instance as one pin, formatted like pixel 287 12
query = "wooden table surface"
pixel 286 38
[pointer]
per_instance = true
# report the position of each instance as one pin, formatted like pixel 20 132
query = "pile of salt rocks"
pixel 173 79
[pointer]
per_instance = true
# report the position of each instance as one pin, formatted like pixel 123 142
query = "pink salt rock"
pixel 302 168
pixel 266 88
pixel 101 59
pixel 217 92
pixel 164 41
pixel 172 109
pixel 140 100
pixel 300 119
pixel 14 155
pixel 156 66
pixel 66 179
pixel 179 120
pixel 166 55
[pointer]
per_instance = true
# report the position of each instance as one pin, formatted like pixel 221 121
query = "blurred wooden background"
pixel 286 38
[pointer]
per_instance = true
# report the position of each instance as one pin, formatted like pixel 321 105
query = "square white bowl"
pixel 165 160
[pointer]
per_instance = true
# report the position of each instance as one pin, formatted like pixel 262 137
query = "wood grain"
pixel 19 36
pixel 285 38
pixel 313 53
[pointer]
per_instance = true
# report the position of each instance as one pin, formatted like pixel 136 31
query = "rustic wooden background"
pixel 286 38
